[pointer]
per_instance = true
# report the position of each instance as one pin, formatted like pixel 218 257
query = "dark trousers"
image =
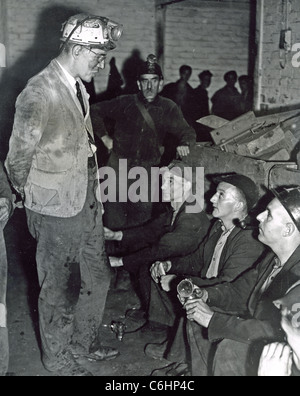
pixel 4 346
pixel 228 358
pixel 74 277
pixel 123 215
pixel 164 307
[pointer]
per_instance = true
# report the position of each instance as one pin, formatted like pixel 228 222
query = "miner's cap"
pixel 150 67
pixel 289 197
pixel 243 183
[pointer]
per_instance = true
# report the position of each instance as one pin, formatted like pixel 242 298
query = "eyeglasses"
pixel 100 57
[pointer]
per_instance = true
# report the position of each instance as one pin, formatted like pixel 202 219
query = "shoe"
pixel 179 370
pixel 162 372
pixel 74 370
pixel 102 354
pixel 67 368
pixel 156 351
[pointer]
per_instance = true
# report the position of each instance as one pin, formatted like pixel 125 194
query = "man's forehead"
pixel 223 187
pixel 149 76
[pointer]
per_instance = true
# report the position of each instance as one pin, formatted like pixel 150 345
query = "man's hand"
pixel 5 209
pixel 108 142
pixel 166 282
pixel 110 235
pixel 183 151
pixel 116 262
pixel 199 312
pixel 159 269
pixel 276 361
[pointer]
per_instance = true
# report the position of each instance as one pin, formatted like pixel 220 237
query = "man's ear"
pixel 239 206
pixel 139 85
pixel 290 228
pixel 161 85
pixel 187 185
pixel 76 50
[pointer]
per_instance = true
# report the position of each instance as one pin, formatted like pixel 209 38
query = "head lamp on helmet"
pixel 150 67
pixel 91 30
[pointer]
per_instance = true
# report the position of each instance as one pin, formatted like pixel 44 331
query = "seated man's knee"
pixel 231 359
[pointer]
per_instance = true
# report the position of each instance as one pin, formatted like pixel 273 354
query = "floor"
pixel 25 359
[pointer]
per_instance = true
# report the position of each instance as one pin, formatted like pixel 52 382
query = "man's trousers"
pixel 74 277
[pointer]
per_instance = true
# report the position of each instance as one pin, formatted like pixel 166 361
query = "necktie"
pixel 80 98
pixel 93 149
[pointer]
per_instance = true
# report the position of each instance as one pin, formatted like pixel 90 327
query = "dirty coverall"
pixel 50 159
pixel 5 192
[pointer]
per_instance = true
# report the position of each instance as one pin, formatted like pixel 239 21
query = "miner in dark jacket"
pixel 226 252
pixel 142 122
pixel 6 208
pixel 175 233
pixel 240 317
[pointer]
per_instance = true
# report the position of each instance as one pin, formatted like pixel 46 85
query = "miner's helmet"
pixel 92 31
pixel 289 197
pixel 150 67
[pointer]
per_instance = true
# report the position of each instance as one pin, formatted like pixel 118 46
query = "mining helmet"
pixel 150 67
pixel 243 183
pixel 289 197
pixel 91 30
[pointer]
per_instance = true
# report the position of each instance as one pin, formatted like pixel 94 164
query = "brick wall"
pixel 280 80
pixel 33 27
pixel 207 35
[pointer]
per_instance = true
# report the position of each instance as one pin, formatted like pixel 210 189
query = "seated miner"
pixel 282 359
pixel 6 209
pixel 226 252
pixel 230 324
pixel 175 233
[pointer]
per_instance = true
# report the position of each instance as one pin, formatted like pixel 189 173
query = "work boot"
pixel 156 351
pixel 66 367
pixel 100 355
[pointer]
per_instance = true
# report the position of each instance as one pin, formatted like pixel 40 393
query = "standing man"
pixel 182 93
pixel 6 208
pixel 201 105
pixel 51 163
pixel 226 101
pixel 142 123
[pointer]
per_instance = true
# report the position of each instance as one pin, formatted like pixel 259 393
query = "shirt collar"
pixel 71 80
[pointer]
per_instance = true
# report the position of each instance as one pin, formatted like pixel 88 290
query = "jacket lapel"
pixel 70 89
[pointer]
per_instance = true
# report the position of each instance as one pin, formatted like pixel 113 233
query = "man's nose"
pixel 261 217
pixel 101 64
pixel 214 199
pixel 149 85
